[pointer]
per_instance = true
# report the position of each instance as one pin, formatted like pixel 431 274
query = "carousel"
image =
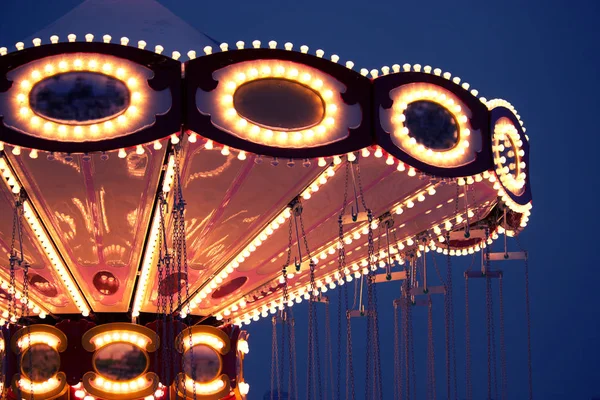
pixel 154 203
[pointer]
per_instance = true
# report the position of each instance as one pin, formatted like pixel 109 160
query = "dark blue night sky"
pixel 542 56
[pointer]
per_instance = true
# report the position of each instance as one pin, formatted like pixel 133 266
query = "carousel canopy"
pixel 94 128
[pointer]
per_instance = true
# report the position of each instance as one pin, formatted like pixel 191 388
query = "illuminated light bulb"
pixel 411 171
pixel 337 160
pixel 365 152
pixel 54 39
pixel 16 150
pixel 351 157
pixel 421 198
pixel 71 37
pixel 241 155
pixel 378 152
pixel 224 46
pixel 304 49
pixel 139 150
pixel 256 44
pixel 20 46
pixel 142 44
pixel 410 204
pixel 191 54
pixel 225 151
pixel 174 138
pixel 406 67
pixel 399 210
pixel 36 42
pixel 25 84
pixel 272 44
pixel 447 75
pixel 89 37
pixel 374 73
pixel 389 160
pixel 122 153
pixel 240 45
pixel 364 71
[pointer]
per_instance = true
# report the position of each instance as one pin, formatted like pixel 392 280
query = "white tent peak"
pixel 145 20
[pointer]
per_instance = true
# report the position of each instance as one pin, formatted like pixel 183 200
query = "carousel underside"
pixel 143 195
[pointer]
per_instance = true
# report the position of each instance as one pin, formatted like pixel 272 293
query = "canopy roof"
pixel 136 19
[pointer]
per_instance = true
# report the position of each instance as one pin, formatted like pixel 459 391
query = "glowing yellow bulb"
pixel 283 136
pixel 230 113
pixel 328 94
pixel 120 72
pixel 227 100
pixel 49 68
pixel 121 119
pixel 78 63
pixel 133 110
pixel 266 70
pixel 94 129
pixel 36 74
pixel 93 64
pixel 320 130
pixel 48 127
pixel 230 86
pixel 329 121
pixel 108 125
pixel 62 130
pixel 242 123
pixel 21 98
pixel 241 77
pixel 25 84
pixel 132 83
pixel 317 84
pixel 293 72
pixel 280 70
pixel 253 73
pixel 331 108
pixel 107 67
pixel 78 131
pixel 255 130
pixel 305 77
pixel 297 136
pixel 24 111
pixel 35 121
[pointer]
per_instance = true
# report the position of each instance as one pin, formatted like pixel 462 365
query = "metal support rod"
pixel 486 274
pixel 483 261
pixel 505 235
pixel 299 262
pixel 516 255
pixel 424 271
pixel 467 229
pixel 396 276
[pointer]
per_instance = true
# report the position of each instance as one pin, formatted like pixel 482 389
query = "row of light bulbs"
pixel 152 244
pixel 330 279
pixel 260 238
pixel 358 268
pixel 44 241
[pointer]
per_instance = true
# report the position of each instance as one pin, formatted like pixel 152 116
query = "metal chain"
pixel 329 362
pixel 431 350
pixel 469 388
pixel 343 295
pixel 503 375
pixel 451 379
pixel 528 316
pixel 274 361
pixel 294 380
pixel 372 297
pixel 488 302
pixel 397 356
